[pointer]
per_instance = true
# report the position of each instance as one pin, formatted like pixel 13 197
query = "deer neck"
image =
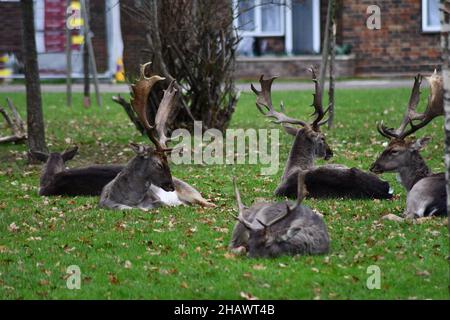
pixel 131 178
pixel 416 170
pixel 301 156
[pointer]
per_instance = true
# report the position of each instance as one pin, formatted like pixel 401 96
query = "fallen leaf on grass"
pixel 113 279
pixel 229 255
pixel 13 227
pixel 259 267
pixel 248 296
pixel 127 264
pixel 423 273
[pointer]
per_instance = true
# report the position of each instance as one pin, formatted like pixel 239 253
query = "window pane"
pixel 433 13
pixel 271 18
pixel 246 19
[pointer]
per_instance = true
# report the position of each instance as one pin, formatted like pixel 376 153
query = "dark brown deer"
pixel 324 181
pixel 56 180
pixel 146 181
pixel 426 191
pixel 283 228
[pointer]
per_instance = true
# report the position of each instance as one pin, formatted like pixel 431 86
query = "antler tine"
pixel 241 206
pixel 142 70
pixel 166 107
pixel 434 108
pixel 385 132
pixel 317 102
pixel 264 100
pixel 301 189
pixel 140 91
pixel 410 112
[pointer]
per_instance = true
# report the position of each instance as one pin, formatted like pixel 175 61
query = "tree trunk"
pixel 445 43
pixel 87 83
pixel 332 73
pixel 326 45
pixel 35 118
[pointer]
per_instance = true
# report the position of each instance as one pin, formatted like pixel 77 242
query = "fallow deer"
pixel 321 181
pixel 56 180
pixel 283 228
pixel 146 181
pixel 426 193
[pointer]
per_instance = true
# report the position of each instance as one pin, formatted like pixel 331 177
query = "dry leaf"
pixel 13 227
pixel 248 296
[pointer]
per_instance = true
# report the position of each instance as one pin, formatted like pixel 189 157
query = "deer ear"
pixel 419 144
pixel 40 156
pixel 290 130
pixel 69 153
pixel 137 148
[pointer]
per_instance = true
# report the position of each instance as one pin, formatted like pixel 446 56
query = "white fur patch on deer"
pixel 169 198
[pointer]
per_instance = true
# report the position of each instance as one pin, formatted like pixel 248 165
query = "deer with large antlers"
pixel 146 181
pixel 426 191
pixel 274 229
pixel 321 181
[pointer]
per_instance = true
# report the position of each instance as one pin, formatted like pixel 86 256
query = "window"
pixel 431 19
pixel 260 17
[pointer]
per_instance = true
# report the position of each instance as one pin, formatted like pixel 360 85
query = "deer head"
pixel 262 235
pixel 308 131
pixel 150 160
pixel 399 154
pixel 54 162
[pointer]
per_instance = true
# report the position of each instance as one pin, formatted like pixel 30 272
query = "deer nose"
pixel 375 168
pixel 169 187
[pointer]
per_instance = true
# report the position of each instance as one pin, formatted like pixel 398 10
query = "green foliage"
pixel 178 253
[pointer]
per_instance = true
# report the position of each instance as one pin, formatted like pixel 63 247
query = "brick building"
pixel 283 40
pixel 407 42
pixel 50 35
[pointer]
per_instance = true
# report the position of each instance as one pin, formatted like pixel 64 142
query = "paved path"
pixel 280 86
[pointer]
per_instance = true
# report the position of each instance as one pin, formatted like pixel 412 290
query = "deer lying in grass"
pixel 426 191
pixel 146 181
pixel 56 180
pixel 324 181
pixel 283 228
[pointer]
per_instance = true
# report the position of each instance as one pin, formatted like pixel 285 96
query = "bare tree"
pixel 194 42
pixel 328 52
pixel 35 118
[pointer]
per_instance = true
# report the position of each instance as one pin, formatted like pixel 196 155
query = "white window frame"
pixel 258 26
pixel 425 23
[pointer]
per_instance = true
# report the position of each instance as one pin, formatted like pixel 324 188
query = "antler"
pixel 164 110
pixel 241 207
pixel 140 91
pixel 264 100
pixel 435 108
pixel 317 102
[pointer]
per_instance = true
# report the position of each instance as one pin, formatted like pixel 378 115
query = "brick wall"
pixel 11 31
pixel 399 46
pixel 11 28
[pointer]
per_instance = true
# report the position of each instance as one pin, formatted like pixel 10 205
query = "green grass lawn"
pixel 181 253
